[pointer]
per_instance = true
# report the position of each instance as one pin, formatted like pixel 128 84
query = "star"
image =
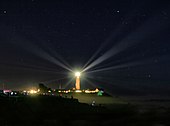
pixel 164 13
pixel 143 54
pixel 114 11
pixel 149 76
pixel 143 15
pixel 124 22
pixel 156 60
pixel 5 11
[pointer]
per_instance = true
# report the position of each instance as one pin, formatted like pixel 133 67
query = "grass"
pixel 57 111
pixel 88 98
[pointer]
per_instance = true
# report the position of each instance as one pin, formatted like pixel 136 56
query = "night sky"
pixel 127 41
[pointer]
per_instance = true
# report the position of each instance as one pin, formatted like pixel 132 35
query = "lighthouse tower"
pixel 77 85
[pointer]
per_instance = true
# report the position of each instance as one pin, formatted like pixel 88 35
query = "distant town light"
pixel 12 93
pixel 78 91
pixel 92 91
pixel 32 92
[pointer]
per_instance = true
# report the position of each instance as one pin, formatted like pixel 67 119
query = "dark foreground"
pixel 57 111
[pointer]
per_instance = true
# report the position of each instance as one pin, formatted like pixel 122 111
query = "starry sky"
pixel 124 43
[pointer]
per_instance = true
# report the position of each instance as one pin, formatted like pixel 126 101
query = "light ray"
pixel 52 52
pixel 117 67
pixel 39 68
pixel 91 83
pixel 134 38
pixel 56 55
pixel 41 53
pixel 66 85
pixel 33 67
pixel 46 56
pixel 107 55
pixel 112 36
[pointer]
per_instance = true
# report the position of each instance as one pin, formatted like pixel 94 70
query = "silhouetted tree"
pixel 43 88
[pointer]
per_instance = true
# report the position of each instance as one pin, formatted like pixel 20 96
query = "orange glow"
pixel 32 92
pixel 77 83
pixel 78 91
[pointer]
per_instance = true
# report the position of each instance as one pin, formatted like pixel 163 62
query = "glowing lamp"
pixel 77 74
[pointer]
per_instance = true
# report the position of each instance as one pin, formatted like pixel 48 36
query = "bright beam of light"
pixel 66 85
pixel 39 52
pixel 46 56
pixel 129 41
pixel 121 46
pixel 92 84
pixel 115 62
pixel 102 46
pixel 114 34
pixel 95 54
pixel 34 68
pixel 113 51
pixel 117 67
pixel 38 68
pixel 60 58
pixel 53 53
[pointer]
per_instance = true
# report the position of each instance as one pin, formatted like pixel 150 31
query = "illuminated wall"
pixel 77 83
